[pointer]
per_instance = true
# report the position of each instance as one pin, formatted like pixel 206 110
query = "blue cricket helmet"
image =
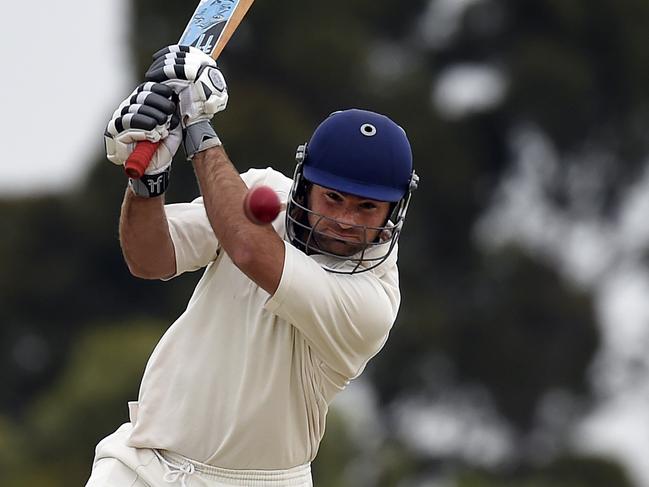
pixel 362 153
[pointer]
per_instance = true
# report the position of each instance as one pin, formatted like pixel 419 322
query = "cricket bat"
pixel 209 30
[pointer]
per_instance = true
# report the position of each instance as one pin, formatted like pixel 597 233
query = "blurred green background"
pixel 529 123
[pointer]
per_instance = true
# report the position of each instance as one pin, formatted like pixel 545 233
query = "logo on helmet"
pixel 368 130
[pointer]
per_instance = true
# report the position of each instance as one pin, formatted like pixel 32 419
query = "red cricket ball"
pixel 261 205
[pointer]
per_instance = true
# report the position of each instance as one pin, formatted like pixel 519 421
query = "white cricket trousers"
pixel 119 465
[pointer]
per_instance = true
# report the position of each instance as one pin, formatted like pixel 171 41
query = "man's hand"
pixel 201 90
pixel 149 113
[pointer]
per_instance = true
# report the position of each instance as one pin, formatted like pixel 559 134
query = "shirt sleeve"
pixel 195 244
pixel 345 318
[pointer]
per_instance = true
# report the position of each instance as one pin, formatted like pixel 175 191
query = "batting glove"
pixel 149 113
pixel 201 89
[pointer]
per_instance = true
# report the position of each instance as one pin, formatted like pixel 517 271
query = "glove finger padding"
pixel 148 109
pixel 149 113
pixel 201 87
pixel 177 63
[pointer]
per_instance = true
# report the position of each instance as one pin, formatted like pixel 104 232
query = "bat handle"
pixel 140 158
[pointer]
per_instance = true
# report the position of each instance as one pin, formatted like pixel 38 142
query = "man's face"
pixel 350 224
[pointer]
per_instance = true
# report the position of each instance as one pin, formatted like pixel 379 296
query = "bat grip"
pixel 140 158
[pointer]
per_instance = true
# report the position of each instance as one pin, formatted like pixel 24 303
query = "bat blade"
pixel 209 30
pixel 213 23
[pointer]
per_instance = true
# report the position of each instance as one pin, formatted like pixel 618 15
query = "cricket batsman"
pixel 285 315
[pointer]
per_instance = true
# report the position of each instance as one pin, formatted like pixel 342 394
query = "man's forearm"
pixel 256 249
pixel 223 192
pixel 144 237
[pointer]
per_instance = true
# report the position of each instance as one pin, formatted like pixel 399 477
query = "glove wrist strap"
pixel 151 185
pixel 199 137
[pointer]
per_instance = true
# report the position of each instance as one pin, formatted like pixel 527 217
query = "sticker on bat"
pixel 207 24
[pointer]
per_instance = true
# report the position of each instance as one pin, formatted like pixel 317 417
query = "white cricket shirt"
pixel 242 380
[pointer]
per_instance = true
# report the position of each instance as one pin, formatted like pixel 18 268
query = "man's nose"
pixel 346 219
pixel 344 225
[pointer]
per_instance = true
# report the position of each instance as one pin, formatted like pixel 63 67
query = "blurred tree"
pixel 334 452
pixel 53 444
pixel 564 472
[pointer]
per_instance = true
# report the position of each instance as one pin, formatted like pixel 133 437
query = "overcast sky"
pixel 65 67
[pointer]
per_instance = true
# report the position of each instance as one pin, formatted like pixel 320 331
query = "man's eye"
pixel 368 206
pixel 334 196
